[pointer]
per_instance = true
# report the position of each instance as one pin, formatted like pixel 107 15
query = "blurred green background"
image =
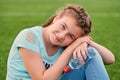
pixel 16 15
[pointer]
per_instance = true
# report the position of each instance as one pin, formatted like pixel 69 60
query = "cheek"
pixel 56 28
pixel 68 42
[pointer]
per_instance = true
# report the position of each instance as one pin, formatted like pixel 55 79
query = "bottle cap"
pixel 67 69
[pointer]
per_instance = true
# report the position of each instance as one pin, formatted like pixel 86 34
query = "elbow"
pixel 40 77
pixel 111 61
pixel 37 77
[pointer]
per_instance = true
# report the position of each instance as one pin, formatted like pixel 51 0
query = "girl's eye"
pixel 72 37
pixel 63 27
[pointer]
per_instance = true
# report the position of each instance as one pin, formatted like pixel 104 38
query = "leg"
pixel 74 74
pixel 94 69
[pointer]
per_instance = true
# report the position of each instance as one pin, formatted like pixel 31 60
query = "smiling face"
pixel 63 31
pixel 67 25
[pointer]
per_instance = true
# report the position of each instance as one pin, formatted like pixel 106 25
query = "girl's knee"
pixel 92 52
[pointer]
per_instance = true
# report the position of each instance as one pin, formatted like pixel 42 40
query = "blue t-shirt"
pixel 32 39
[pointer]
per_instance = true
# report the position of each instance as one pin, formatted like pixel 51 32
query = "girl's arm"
pixel 106 54
pixel 35 67
pixel 81 52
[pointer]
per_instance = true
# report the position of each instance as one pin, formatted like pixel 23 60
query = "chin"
pixel 52 41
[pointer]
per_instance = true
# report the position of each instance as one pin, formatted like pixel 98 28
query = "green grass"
pixel 18 14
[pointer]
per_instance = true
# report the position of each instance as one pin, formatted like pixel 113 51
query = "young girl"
pixel 42 53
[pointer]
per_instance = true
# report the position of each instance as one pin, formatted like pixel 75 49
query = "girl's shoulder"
pixel 36 31
pixel 35 28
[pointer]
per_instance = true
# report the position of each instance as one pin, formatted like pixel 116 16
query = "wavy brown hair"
pixel 79 13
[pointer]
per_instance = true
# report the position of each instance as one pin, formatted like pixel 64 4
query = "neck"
pixel 50 48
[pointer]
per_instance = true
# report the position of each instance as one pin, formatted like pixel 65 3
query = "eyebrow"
pixel 65 25
pixel 67 28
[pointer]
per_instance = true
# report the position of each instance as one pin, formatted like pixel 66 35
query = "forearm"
pixel 38 72
pixel 55 71
pixel 106 54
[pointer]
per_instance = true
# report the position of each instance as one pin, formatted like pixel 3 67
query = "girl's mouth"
pixel 57 38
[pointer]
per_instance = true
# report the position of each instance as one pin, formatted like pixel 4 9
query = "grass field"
pixel 16 15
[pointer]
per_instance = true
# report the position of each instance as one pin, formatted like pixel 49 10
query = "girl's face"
pixel 64 31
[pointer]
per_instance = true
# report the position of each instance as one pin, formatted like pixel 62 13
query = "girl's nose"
pixel 62 36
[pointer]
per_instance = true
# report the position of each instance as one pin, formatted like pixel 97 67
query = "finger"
pixel 88 40
pixel 74 54
pixel 85 49
pixel 81 60
pixel 84 46
pixel 79 55
pixel 83 53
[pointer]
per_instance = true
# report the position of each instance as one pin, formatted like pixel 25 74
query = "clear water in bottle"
pixel 75 64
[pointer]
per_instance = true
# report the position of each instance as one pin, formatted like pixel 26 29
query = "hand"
pixel 81 52
pixel 86 39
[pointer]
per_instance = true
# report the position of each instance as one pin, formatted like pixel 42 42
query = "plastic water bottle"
pixel 75 63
